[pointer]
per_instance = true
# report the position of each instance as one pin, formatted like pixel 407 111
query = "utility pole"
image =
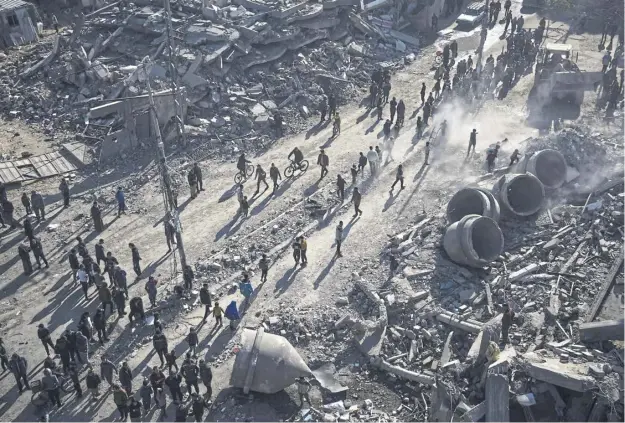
pixel 182 136
pixel 164 170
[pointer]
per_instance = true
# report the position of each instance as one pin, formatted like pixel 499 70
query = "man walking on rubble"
pixel 472 141
pixel 64 188
pixel 198 176
pixel 260 176
pixel 324 162
pixel 192 180
pixel 275 175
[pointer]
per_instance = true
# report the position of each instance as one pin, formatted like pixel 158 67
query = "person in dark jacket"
pixel 506 322
pixel 37 248
pixel 64 188
pixel 125 377
pixel 107 368
pixel 26 203
pixel 182 411
pixel 38 205
pixel 121 279
pixel 136 309
pixel 23 250
pixel 193 341
pixel 121 201
pixel 146 392
pixel 74 263
pixel 206 374
pixel 198 176
pixel 96 216
pixel 199 406
pixel 205 299
pixel 44 336
pixel 159 340
pixel 72 348
pixel 19 367
pixel 173 382
pixel 99 324
pixel 134 410
pixel 106 298
pixel 62 349
pixel 157 379
pixel 93 383
pixel 192 180
pixel 99 252
pixel 120 398
pixel 170 231
pixel 187 275
pixel 29 231
pixel 170 359
pixel 73 374
pixel 119 298
pixel 190 371
pixel 136 258
pixel 8 209
pixel 4 356
pixel 82 346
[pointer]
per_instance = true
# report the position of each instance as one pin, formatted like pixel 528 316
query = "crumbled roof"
pixel 8 5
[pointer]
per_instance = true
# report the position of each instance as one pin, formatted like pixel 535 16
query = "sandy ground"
pixel 49 297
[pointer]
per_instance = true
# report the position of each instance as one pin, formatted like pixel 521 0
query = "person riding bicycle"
pixel 298 156
pixel 242 163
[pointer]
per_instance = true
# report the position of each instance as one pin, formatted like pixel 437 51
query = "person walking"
pixel 29 231
pixel 399 177
pixel 64 188
pixel 157 379
pixel 324 162
pixel 37 249
pixel 96 216
pixel 188 276
pixel 323 108
pixel 506 322
pixel 198 176
pixel 75 378
pixel 263 265
pixel 46 339
pixel 340 184
pixel 190 372
pixel 393 108
pixel 426 151
pixel 136 258
pixel 104 294
pixel 125 377
pixel 146 392
pixel 23 251
pixel 82 347
pixel 373 158
pixel 198 407
pixel 150 288
pixel 136 309
pixel 491 157
pixel 218 314
pixel 275 175
pixel 170 231
pixel 206 375
pixel 401 112
pixel 192 180
pixel 356 198
pixel 26 203
pixel 472 141
pixel 159 340
pixel 120 398
pixel 297 252
pixel 134 409
pixel 423 91
pixel 170 359
pixel 260 176
pixel 93 384
pixel 161 402
pixel 339 239
pixel 19 367
pixel 173 382
pixel 121 201
pixel 205 299
pixel 303 244
pixel 4 356
pixel 354 172
pixel 193 341
pixel 51 385
pixel 247 290
pixel 362 162
pixel 99 252
pixel 36 201
pixel 99 324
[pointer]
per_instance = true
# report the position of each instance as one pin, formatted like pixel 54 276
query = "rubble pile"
pixel 239 61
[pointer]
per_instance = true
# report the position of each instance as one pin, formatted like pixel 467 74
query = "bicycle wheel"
pixel 237 178
pixel 67 385
pixel 288 172
pixel 249 170
pixel 303 166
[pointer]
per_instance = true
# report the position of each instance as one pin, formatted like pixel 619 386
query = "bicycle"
pixel 41 397
pixel 438 58
pixel 290 169
pixel 240 177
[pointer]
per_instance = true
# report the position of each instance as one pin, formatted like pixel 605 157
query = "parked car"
pixel 472 16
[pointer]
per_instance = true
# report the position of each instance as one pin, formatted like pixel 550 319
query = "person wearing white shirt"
pixel 83 278
pixel 373 159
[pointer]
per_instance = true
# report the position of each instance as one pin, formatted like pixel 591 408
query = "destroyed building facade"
pixel 18 23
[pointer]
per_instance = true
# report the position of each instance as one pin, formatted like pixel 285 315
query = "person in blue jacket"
pixel 232 314
pixel 121 201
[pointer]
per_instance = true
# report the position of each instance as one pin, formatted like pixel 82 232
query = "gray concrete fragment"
pixel 514 276
pixel 457 322
pixel 497 398
pixel 566 375
pixel 601 331
pixel 406 374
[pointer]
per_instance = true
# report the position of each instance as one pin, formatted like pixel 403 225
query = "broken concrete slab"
pixel 198 35
pixel 497 398
pixel 403 373
pixel 601 331
pixel 320 22
pixel 527 270
pixel 566 375
pixel 475 414
pixel 45 61
pixel 404 37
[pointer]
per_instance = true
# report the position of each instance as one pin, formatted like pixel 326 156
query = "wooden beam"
pixel 605 287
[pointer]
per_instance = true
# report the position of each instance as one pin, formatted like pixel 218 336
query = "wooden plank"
pixel 605 287
pixel 60 163
pixel 9 173
pixel 489 298
pixel 43 166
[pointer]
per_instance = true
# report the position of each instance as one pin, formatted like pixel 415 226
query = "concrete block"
pixel 566 375
pixel 601 331
pixel 514 276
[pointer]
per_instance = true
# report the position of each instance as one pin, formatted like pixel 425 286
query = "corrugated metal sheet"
pixel 9 173
pixel 36 167
pixel 8 5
